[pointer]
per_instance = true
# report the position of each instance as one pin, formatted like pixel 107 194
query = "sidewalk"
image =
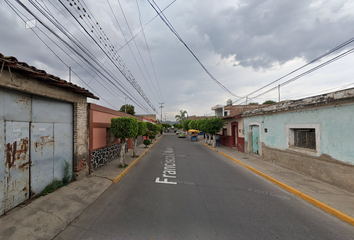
pixel 47 216
pixel 316 192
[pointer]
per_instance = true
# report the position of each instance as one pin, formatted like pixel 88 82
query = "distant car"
pixel 177 132
pixel 181 135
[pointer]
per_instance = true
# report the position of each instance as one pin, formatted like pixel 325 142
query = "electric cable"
pixel 94 67
pixel 124 70
pixel 148 49
pixel 169 25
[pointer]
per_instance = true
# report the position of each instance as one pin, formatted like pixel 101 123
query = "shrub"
pixel 147 142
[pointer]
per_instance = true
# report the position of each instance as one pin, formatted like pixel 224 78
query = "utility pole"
pixel 279 93
pixel 69 74
pixel 125 106
pixel 161 110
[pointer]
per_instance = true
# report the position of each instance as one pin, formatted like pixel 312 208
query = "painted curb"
pixel 302 195
pixel 117 178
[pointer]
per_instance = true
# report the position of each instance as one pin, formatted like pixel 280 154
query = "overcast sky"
pixel 244 44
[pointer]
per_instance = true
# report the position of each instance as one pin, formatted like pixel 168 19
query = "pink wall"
pixel 99 139
pixel 100 117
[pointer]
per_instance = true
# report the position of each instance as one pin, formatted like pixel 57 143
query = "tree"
pixel 181 116
pixel 204 127
pixel 166 125
pixel 185 124
pixel 159 128
pixel 130 109
pixel 141 132
pixel 192 124
pixel 177 126
pixel 269 102
pixel 123 128
pixel 215 125
pixel 147 142
pixel 152 128
pixel 253 103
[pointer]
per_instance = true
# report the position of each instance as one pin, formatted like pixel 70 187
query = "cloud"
pixel 263 34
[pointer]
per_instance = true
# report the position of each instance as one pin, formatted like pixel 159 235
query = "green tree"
pixel 253 103
pixel 193 124
pixel 129 108
pixel 204 127
pixel 166 125
pixel 123 128
pixel 185 124
pixel 141 132
pixel 215 125
pixel 159 128
pixel 269 102
pixel 177 126
pixel 181 116
pixel 152 130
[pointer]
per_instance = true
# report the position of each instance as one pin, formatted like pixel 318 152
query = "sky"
pixel 242 44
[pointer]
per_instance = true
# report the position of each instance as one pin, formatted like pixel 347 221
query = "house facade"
pixel 312 135
pixel 104 147
pixel 232 134
pixel 43 127
pixel 147 117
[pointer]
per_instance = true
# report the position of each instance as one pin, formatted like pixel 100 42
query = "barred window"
pixel 305 138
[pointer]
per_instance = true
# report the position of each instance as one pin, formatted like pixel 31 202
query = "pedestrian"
pixel 217 140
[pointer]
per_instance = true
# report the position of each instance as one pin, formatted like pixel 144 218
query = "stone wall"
pixel 102 156
pixel 81 138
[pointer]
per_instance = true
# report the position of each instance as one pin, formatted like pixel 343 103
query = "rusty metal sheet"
pixel 16 163
pixel 2 166
pixel 42 153
pixel 15 106
pixel 63 148
pixel 47 110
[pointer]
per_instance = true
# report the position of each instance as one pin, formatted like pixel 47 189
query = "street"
pixel 183 190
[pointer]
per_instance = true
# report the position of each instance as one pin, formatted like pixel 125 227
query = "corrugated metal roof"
pixel 24 68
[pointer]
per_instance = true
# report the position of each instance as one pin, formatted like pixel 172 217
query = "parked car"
pixel 181 135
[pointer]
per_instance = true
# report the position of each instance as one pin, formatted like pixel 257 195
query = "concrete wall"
pixel 332 161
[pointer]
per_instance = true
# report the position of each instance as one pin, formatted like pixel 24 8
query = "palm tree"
pixel 181 116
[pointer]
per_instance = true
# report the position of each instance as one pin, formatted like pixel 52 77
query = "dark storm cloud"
pixel 261 34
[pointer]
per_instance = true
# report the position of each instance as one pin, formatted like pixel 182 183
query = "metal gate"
pixel 36 138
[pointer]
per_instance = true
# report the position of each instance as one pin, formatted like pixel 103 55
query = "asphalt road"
pixel 184 190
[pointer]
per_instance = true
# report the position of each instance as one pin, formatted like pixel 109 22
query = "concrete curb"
pixel 119 176
pixel 313 201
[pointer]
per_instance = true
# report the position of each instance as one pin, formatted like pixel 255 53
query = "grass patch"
pixel 125 165
pixel 52 187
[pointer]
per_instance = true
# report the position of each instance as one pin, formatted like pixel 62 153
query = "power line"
pixel 122 67
pixel 307 64
pixel 76 52
pixel 148 49
pixel 130 47
pixel 17 13
pixel 309 71
pixel 169 25
pixel 141 30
